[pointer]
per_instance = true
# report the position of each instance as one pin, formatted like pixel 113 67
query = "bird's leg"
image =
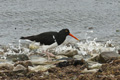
pixel 49 54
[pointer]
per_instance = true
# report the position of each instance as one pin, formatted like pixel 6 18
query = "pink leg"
pixel 49 54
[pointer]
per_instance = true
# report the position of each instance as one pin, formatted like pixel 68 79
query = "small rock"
pixel 95 58
pixel 6 66
pixel 74 77
pixel 24 63
pixel 19 68
pixel 37 68
pixel 40 68
pixel 77 57
pixel 46 73
pixel 119 51
pixel 17 57
pixel 63 64
pixel 16 50
pixel 64 59
pixel 105 56
pixel 38 60
pixel 71 62
pixel 60 56
pixel 2 60
pixel 94 65
pixel 35 55
pixel 4 48
pixel 89 71
pixel 69 53
pixel 1 53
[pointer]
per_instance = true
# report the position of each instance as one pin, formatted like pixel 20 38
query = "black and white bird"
pixel 50 39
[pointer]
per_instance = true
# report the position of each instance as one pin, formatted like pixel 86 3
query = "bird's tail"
pixel 22 38
pixel 26 37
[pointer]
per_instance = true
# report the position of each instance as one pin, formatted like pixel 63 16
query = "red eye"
pixel 66 30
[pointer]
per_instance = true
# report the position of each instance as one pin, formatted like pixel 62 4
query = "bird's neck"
pixel 61 38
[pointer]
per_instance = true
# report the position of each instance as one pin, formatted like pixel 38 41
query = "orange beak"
pixel 73 36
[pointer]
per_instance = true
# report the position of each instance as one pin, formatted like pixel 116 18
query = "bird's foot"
pixel 49 55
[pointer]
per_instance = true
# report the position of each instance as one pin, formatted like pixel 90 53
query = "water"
pixel 28 17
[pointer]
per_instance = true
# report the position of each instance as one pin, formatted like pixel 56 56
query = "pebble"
pixel 69 53
pixel 40 68
pixel 19 68
pixel 105 56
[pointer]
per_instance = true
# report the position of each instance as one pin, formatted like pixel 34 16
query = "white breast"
pixel 45 47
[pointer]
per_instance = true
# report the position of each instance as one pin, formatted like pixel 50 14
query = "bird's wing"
pixel 45 38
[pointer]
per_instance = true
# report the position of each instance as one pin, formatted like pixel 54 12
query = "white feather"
pixel 45 47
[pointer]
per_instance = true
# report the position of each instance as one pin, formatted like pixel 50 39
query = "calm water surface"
pixel 28 17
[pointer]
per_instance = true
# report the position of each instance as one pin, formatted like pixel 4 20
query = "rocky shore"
pixel 89 60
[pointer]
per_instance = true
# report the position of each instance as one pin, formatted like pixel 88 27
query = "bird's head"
pixel 66 32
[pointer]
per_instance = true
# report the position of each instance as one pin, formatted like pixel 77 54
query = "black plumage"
pixel 48 38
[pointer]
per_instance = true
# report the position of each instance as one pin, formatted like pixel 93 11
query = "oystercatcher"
pixel 50 39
